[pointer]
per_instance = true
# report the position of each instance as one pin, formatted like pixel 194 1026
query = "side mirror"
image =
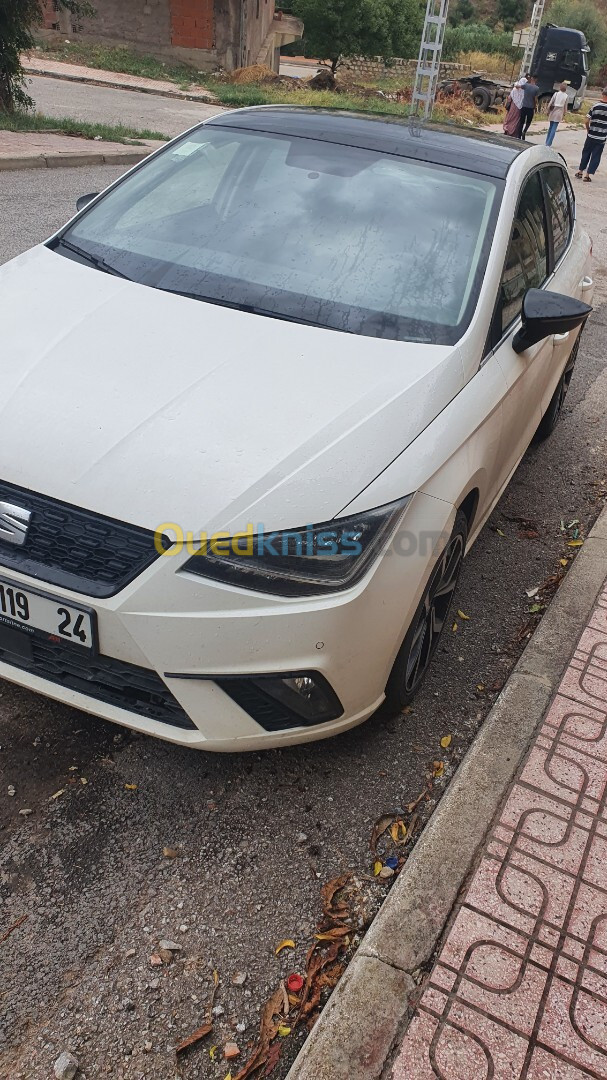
pixel 84 200
pixel 546 313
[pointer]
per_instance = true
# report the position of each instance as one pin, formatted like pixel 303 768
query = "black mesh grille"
pixel 101 677
pixel 75 548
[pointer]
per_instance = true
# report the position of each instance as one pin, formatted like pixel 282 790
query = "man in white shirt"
pixel 556 111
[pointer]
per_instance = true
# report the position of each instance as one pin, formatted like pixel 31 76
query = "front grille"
pixel 75 548
pixel 101 677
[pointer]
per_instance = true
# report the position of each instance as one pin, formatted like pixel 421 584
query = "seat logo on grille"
pixel 14 523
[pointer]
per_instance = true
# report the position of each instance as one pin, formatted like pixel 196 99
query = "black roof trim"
pixel 476 151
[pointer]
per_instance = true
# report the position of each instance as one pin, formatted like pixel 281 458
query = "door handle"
pixel 586 283
pixel 560 338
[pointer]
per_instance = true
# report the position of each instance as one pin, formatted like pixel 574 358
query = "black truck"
pixel 561 55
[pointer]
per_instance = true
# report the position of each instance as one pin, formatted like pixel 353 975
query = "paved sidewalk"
pixel 519 990
pixel 39 65
pixel 34 150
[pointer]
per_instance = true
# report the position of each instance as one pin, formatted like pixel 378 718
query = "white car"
pixel 257 400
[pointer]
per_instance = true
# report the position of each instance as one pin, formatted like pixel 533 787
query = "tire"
pixel 422 637
pixel 551 417
pixel 543 104
pixel 481 98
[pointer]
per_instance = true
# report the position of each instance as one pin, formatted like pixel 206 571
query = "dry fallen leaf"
pixel 284 1030
pixel 438 768
pixel 213 1053
pixel 445 741
pixel 564 562
pixel 58 793
pixel 462 616
pixel 170 852
pixel 377 867
pixel 500 533
pixel 286 944
pixel 381 825
pixel 130 787
pixel 454 627
pixel 574 543
pixel 195 1037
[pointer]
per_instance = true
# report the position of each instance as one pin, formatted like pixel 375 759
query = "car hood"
pixel 154 408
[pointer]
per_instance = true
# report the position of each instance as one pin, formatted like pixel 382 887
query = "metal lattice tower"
pixel 534 33
pixel 428 64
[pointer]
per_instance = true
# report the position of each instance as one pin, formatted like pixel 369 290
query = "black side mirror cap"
pixel 545 313
pixel 84 200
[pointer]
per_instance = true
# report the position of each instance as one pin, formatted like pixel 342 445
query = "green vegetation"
pixel 21 120
pixel 512 13
pixel 336 28
pixel 16 22
pixel 478 37
pixel 118 58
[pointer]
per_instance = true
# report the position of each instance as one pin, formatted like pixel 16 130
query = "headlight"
pixel 313 560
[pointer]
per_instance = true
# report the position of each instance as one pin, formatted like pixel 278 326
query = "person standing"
pixel 513 118
pixel 556 111
pixel 530 93
pixel 596 127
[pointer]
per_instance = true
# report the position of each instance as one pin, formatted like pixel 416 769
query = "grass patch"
pixel 29 121
pixel 244 95
pixel 117 58
pixel 493 63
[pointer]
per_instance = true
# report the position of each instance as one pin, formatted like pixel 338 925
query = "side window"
pixel 558 208
pixel 526 266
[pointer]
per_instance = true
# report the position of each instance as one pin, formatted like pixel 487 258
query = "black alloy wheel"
pixel 431 617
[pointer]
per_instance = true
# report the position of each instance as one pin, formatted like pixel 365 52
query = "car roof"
pixel 476 151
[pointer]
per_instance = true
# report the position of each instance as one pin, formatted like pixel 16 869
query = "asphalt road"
pixel 101 104
pixel 257 834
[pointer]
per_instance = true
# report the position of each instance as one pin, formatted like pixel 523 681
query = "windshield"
pixel 336 236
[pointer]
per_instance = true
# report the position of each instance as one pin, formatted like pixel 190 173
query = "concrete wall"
pixel 376 67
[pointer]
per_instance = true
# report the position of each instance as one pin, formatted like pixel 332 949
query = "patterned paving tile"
pixel 519 990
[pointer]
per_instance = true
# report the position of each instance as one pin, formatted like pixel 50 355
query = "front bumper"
pixel 185 630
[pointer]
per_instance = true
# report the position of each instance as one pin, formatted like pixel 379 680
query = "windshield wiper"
pixel 252 309
pixel 94 260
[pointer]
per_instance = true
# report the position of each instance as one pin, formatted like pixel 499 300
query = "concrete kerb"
pixel 73 160
pixel 205 96
pixel 368 1012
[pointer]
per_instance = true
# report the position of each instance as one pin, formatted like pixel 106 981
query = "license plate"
pixel 30 610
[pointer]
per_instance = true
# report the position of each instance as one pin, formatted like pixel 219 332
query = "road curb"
pixel 73 159
pixel 182 95
pixel 365 1018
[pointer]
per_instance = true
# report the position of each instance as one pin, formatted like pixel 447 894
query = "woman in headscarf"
pixel 514 104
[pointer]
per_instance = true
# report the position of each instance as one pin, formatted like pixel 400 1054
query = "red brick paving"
pixel 519 989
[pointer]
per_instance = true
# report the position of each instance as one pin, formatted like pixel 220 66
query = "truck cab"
pixel 561 55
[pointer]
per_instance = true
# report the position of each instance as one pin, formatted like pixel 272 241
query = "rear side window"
pixel 558 208
pixel 526 264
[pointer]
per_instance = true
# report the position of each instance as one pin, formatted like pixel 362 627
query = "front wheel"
pixel 423 635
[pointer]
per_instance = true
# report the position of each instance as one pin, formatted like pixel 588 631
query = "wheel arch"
pixel 469 507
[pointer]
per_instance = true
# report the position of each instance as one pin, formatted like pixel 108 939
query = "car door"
pixel 526 374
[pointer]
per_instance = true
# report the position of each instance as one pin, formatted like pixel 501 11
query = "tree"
pixel 461 12
pixel 338 28
pixel 17 18
pixel 512 12
pixel 585 16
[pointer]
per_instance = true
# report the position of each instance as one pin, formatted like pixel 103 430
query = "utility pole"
pixel 534 33
pixel 428 64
